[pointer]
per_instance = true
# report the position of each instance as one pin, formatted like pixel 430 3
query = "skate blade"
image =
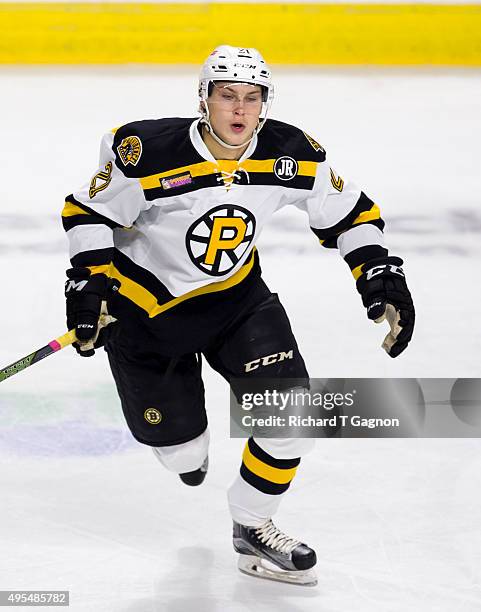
pixel 260 568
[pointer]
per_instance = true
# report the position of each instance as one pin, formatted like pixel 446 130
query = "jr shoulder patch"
pixel 130 150
pixel 314 144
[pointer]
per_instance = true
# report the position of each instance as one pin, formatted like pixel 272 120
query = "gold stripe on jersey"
pixel 146 300
pixel 306 168
pixel 200 169
pixel 70 210
pixel 368 215
pixel 268 472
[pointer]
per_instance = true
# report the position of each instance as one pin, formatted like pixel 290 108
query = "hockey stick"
pixel 36 356
pixel 52 347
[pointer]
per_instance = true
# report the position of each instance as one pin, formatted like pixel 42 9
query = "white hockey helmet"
pixel 237 65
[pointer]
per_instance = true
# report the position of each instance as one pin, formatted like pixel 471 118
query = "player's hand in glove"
pixel 385 294
pixel 86 295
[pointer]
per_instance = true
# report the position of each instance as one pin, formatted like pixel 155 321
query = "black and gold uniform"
pixel 178 229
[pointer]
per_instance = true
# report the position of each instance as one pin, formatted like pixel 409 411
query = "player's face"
pixel 234 110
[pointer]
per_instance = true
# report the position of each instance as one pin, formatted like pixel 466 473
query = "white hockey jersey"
pixel 171 222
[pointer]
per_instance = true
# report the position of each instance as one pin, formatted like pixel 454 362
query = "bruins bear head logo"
pixel 130 150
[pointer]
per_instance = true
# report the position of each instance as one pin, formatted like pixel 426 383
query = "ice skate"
pixel 196 477
pixel 266 552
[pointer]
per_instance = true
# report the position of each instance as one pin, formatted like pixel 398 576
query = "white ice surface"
pixel 396 523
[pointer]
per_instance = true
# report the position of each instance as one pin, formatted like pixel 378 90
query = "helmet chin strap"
pixel 219 140
pixel 204 110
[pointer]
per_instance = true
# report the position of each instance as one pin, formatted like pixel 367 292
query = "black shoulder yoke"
pixel 277 139
pixel 143 148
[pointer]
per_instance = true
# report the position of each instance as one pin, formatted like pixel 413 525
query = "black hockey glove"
pixel 86 295
pixel 385 294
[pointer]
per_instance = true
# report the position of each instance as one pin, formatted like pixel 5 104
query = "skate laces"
pixel 269 534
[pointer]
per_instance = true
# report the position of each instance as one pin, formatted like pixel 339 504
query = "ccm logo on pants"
pixel 268 360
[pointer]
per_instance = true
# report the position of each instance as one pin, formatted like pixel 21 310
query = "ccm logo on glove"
pixel 380 269
pixel 87 295
pixel 386 296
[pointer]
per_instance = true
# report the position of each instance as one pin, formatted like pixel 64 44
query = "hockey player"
pixel 163 237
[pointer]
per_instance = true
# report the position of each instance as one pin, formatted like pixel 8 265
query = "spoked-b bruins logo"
pixel 152 416
pixel 218 240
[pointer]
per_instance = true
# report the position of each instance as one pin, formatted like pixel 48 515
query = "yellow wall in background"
pixel 75 33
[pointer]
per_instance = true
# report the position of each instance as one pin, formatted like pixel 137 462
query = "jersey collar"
pixel 204 152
